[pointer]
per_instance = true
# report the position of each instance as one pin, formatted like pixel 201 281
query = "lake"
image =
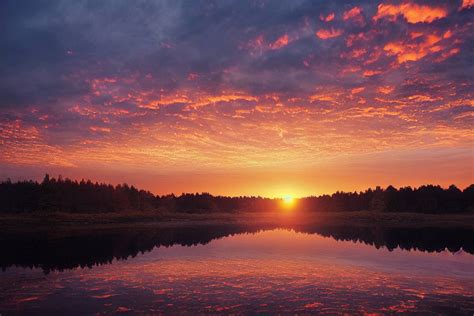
pixel 228 269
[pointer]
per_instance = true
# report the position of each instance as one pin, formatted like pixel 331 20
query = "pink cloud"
pixel 328 33
pixel 354 14
pixel 282 41
pixel 327 18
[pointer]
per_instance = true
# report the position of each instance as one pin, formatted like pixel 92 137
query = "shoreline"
pixel 84 222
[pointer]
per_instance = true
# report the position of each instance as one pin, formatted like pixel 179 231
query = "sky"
pixel 268 98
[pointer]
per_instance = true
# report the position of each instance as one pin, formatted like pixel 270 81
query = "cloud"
pixel 371 73
pixel 282 41
pixel 412 12
pixel 446 54
pixel 328 33
pixel 354 14
pixel 466 4
pixel 419 46
pixel 327 18
pixel 100 129
pixel 357 90
pixel 386 89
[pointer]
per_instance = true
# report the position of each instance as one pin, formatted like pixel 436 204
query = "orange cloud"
pixel 327 18
pixel 224 97
pixel 448 34
pixel 414 35
pixel 329 95
pixel 151 103
pixel 386 89
pixel 412 12
pixel 404 52
pixel 422 98
pixel 370 73
pixel 357 90
pixel 282 41
pixel 22 144
pixel 328 33
pixel 413 51
pixel 466 4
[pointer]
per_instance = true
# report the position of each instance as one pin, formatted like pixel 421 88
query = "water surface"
pixel 234 270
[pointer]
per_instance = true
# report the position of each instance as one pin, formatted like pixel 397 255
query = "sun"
pixel 288 200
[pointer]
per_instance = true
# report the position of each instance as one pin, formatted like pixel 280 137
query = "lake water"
pixel 238 270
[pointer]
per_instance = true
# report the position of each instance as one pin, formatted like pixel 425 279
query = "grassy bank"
pixel 65 221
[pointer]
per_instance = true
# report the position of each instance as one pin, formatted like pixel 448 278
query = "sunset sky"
pixel 267 98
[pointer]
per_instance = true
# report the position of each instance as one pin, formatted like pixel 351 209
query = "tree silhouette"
pixel 65 195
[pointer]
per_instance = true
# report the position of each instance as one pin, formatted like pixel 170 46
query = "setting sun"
pixel 288 200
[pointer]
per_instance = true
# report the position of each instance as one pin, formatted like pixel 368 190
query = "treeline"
pixel 425 199
pixel 65 195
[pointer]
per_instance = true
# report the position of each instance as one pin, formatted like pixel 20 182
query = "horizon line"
pixel 60 177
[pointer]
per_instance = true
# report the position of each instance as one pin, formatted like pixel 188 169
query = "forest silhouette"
pixel 72 196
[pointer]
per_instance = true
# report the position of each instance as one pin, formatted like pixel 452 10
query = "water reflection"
pixel 236 269
pixel 88 250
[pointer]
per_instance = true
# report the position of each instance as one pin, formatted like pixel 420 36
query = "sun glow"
pixel 288 201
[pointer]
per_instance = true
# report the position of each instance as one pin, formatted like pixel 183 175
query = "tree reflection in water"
pixel 88 250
